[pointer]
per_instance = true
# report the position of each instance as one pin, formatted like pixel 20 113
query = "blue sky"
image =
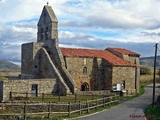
pixel 98 24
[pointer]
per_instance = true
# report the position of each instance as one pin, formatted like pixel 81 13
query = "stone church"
pixel 47 67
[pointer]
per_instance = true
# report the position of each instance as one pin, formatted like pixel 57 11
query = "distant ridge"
pixel 8 66
pixel 149 61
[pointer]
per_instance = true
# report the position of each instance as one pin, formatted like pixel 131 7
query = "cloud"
pixel 10 52
pixel 132 24
pixel 79 41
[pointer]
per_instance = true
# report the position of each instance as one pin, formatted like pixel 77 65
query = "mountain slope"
pixel 149 61
pixel 8 66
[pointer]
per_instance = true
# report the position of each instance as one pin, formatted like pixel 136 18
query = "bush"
pixel 145 70
pixel 152 113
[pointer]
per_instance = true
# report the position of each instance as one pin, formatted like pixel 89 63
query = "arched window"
pixel 42 33
pixel 85 70
pixel 46 33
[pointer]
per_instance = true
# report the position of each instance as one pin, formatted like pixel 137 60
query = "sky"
pixel 95 24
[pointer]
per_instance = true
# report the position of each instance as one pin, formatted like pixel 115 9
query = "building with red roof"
pixel 113 68
pixel 78 69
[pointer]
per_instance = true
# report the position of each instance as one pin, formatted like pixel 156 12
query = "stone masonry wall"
pixel 127 74
pixel 93 76
pixel 23 86
pixel 108 78
pixel 49 70
pixel 75 66
pixel 30 65
pixel 135 60
pixel 27 58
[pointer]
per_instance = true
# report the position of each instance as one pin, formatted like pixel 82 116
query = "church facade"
pixel 77 69
pixel 70 70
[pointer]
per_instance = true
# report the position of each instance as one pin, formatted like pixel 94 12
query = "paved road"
pixel 127 109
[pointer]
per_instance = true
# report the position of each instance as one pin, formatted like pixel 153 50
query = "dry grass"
pixel 148 79
pixel 5 75
pixel 9 73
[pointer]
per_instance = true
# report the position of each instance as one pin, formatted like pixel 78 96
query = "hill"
pixel 8 66
pixel 149 61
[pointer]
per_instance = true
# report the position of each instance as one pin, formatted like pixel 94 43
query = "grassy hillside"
pixel 8 66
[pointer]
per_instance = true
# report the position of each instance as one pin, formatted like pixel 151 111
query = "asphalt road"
pixel 128 110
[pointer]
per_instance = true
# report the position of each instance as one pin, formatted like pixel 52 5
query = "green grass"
pixel 56 98
pixel 152 113
pixel 74 115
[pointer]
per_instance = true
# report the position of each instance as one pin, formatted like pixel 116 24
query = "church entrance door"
pixel 85 87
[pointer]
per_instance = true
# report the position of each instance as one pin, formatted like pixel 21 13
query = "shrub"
pixel 145 70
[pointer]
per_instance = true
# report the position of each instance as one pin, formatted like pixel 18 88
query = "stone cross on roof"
pixel 47 3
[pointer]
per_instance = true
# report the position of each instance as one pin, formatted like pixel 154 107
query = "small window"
pixel 85 70
pixel 85 61
pixel 46 33
pixel 123 84
pixel 42 33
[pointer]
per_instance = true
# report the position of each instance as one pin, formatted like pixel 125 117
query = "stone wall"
pixel 27 58
pixel 126 74
pixel 22 86
pixel 49 70
pixel 76 66
pixel 99 92
pixel 134 59
pixel 88 70
pixel 108 77
pixel 30 59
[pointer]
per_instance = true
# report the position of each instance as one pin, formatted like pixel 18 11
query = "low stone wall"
pixel 100 92
pixel 23 86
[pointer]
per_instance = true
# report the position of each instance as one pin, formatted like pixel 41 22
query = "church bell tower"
pixel 47 25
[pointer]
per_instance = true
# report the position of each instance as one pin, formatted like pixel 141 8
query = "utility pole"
pixel 154 75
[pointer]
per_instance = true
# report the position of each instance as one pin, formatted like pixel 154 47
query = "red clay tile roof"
pixel 108 56
pixel 123 51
